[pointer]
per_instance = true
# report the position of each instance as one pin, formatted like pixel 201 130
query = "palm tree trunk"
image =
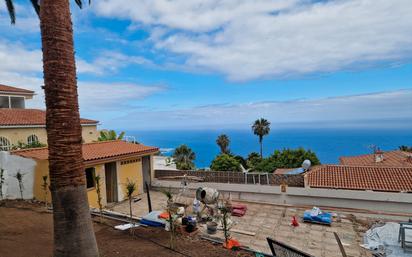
pixel 130 206
pixel 261 148
pixel 73 229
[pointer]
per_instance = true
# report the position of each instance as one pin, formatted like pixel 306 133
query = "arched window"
pixel 32 139
pixel 4 144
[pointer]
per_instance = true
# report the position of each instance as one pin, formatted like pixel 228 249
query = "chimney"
pixel 378 156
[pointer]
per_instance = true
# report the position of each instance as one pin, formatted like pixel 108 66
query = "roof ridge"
pixel 105 141
pixel 29 149
pixel 366 154
pixel 17 88
pixel 361 166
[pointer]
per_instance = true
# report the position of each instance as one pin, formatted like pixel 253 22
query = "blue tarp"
pixel 323 217
pixel 152 219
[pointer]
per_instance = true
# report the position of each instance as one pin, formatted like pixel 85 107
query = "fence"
pixel 234 177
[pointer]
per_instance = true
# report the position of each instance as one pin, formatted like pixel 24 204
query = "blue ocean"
pixel 329 144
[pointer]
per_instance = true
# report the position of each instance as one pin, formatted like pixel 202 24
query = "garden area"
pixel 26 229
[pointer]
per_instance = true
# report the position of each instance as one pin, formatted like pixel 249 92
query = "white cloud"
pixel 17 58
pixel 373 110
pixel 261 39
pixel 114 97
pixel 22 67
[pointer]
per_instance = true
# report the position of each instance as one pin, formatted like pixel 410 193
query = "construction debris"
pixel 126 226
pixel 382 240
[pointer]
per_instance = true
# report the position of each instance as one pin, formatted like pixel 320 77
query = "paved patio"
pixel 274 221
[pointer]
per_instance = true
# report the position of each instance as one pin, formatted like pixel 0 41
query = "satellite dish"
pixel 306 164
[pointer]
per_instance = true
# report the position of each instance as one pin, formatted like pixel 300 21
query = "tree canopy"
pixel 286 158
pixel 261 128
pixel 225 162
pixel 405 148
pixel 223 142
pixel 106 135
pixel 184 158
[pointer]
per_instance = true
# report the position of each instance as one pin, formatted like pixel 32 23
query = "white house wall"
pixel 11 164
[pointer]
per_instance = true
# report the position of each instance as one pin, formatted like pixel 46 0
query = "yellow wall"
pixel 14 135
pixel 89 133
pixel 42 169
pixel 131 171
pixel 92 193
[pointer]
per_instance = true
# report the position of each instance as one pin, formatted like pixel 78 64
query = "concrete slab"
pixel 268 220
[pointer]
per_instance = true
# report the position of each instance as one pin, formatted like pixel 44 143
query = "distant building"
pixel 18 124
pixel 395 158
pixel 163 163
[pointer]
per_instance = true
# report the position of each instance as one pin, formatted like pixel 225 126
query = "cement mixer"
pixel 207 195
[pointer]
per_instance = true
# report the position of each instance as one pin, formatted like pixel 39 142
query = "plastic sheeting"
pixel 152 219
pixel 384 239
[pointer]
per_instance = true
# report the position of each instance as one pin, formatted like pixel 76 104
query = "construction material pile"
pixel 383 240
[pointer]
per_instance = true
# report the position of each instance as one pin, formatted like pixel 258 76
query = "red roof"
pixel 28 117
pixel 97 152
pixel 361 178
pixel 391 158
pixel 9 89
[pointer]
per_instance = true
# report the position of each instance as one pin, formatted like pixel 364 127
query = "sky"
pixel 178 64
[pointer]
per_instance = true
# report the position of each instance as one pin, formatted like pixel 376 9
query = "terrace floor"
pixel 267 220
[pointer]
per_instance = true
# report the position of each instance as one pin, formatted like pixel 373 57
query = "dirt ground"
pixel 26 230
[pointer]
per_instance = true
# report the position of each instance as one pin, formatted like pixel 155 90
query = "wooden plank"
pixel 239 231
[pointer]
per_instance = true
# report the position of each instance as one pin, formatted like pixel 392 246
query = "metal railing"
pixel 256 178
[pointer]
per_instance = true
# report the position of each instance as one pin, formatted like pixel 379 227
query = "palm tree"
pixel 223 142
pixel 73 228
pixel 183 157
pixel 106 135
pixel 261 128
pixel 130 189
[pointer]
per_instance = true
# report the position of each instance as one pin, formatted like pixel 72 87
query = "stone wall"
pixel 234 177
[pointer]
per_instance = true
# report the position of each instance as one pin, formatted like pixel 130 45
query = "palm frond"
pixel 121 135
pixel 11 10
pixel 112 135
pixel 130 188
pixel 79 3
pixel 36 6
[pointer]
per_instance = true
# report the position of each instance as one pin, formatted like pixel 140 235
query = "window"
pixel 90 177
pixel 4 144
pixel 4 102
pixel 17 102
pixel 32 139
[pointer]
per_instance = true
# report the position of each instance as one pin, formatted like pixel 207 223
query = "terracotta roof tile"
pixel 361 178
pixel 96 151
pixel 391 158
pixel 27 117
pixel 9 89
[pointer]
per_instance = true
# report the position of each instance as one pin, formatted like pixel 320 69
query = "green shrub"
pixel 287 158
pixel 225 162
